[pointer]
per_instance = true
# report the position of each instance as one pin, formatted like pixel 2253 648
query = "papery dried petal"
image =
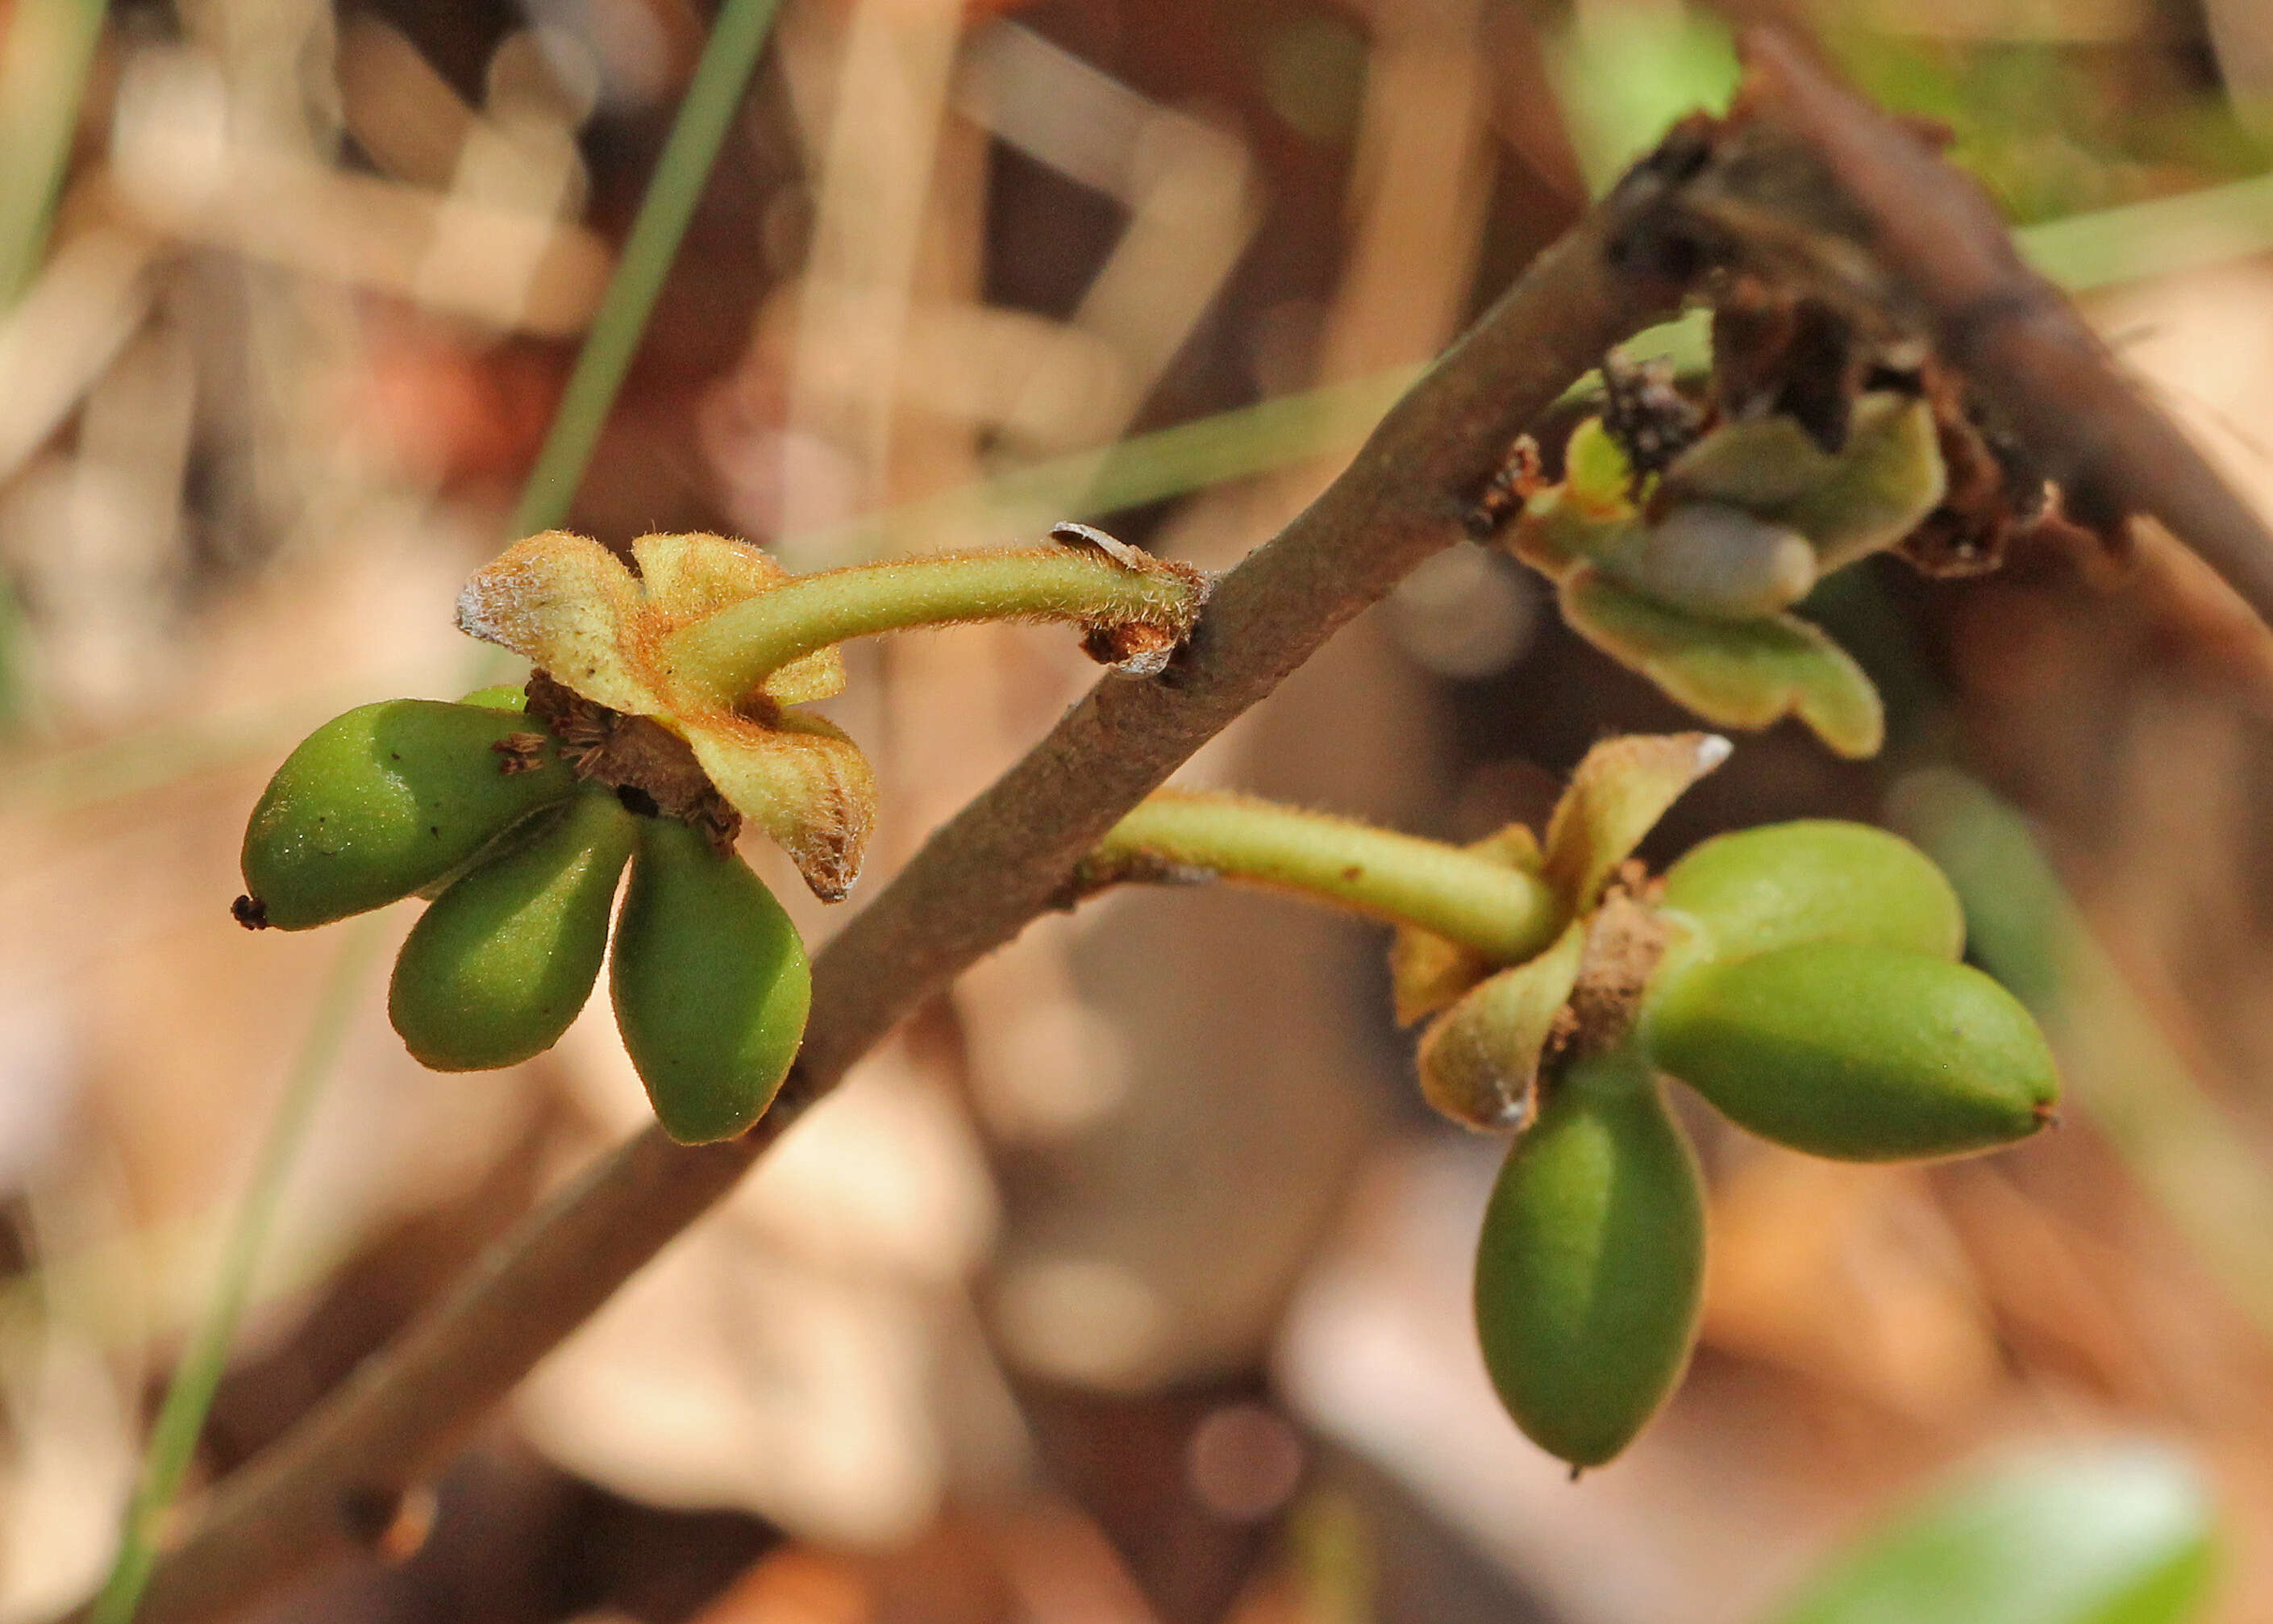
pixel 689 574
pixel 1479 1061
pixel 799 778
pixel 1614 798
pixel 571 608
pixel 579 615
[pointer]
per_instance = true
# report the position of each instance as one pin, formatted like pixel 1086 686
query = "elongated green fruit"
pixel 1858 1052
pixel 1590 1266
pixel 498 697
pixel 494 971
pixel 384 801
pixel 1816 880
pixel 1712 559
pixel 710 983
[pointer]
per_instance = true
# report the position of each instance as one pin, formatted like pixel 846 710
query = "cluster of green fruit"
pixel 1688 576
pixel 465 804
pixel 1809 990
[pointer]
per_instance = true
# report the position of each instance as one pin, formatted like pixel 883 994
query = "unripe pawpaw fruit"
pixel 1816 880
pixel 1713 560
pixel 710 984
pixel 384 801
pixel 500 697
pixel 1590 1269
pixel 496 969
pixel 1857 1051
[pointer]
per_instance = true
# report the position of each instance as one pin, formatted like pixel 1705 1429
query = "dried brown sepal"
pixel 1776 351
pixel 1521 474
pixel 1647 414
pixel 521 753
pixel 1758 207
pixel 1479 1061
pixel 597 634
pixel 1760 201
pixel 1995 492
pixel 634 753
pixel 1137 648
pixel 2090 504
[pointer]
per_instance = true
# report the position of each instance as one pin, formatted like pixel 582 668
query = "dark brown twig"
pixel 973 886
pixel 1935 239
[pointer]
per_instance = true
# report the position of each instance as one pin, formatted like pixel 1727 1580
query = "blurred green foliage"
pixel 2104 1533
pixel 2055 129
pixel 2051 127
pixel 1625 73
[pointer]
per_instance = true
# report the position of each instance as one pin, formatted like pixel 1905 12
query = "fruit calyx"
pixel 1494 1027
pixel 1626 939
pixel 637 754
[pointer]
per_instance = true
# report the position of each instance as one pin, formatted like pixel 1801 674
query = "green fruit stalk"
pixel 497 968
pixel 1590 1269
pixel 710 984
pixel 1857 1051
pixel 385 800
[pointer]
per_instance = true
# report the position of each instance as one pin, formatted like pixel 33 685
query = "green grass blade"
pixel 45 52
pixel 2140 1091
pixel 174 1439
pixel 681 174
pixel 2116 1532
pixel 2134 241
pixel 704 116
pixel 1171 462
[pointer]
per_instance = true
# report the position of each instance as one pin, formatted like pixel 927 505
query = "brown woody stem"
pixel 975 884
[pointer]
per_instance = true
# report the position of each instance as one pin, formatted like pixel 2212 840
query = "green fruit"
pixel 1857 1051
pixel 1713 560
pixel 710 984
pixel 1590 1265
pixel 384 801
pixel 494 971
pixel 502 696
pixel 1817 879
